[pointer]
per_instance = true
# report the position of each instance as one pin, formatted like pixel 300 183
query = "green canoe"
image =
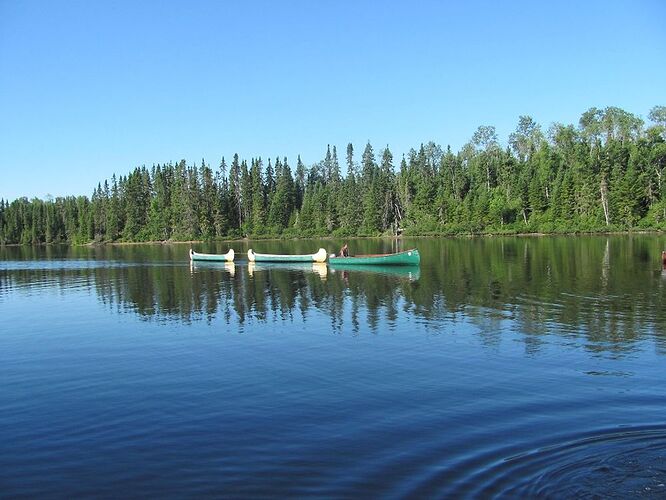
pixel 225 257
pixel 406 258
pixel 252 256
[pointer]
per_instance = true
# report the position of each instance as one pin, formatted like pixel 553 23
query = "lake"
pixel 509 367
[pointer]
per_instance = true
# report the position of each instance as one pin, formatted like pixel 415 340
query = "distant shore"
pixel 399 237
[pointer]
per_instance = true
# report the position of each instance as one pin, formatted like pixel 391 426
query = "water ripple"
pixel 607 463
pixel 67 264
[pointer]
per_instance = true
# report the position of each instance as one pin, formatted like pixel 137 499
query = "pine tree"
pixel 235 194
pixel 372 202
pixel 209 200
pixel 300 182
pixel 223 203
pixel 258 199
pixel 246 198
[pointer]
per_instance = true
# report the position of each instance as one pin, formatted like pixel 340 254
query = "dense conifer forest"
pixel 606 174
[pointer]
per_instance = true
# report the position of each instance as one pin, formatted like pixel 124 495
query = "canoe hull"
pixel 320 256
pixel 212 257
pixel 406 258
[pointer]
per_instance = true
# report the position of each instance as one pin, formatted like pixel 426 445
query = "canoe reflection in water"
pixel 318 268
pixel 412 273
pixel 229 267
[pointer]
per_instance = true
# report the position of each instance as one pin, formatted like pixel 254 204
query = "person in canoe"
pixel 344 251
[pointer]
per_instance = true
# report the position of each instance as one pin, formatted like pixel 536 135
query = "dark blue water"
pixel 515 367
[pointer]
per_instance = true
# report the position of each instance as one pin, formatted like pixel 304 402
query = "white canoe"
pixel 224 257
pixel 320 256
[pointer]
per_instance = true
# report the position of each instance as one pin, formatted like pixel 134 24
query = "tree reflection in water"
pixel 610 291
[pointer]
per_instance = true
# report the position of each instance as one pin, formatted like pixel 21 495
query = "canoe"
pixel 225 257
pixel 406 258
pixel 252 256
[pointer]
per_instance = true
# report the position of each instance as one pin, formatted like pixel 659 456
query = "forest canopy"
pixel 605 174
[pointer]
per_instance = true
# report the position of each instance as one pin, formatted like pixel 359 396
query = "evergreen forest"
pixel 605 174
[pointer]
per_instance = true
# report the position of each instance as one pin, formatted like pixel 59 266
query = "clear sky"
pixel 89 88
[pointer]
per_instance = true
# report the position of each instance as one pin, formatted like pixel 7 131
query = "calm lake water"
pixel 509 367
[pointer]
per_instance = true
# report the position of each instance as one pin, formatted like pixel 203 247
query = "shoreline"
pixel 392 237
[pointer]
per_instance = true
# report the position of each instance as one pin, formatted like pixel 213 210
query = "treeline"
pixel 605 174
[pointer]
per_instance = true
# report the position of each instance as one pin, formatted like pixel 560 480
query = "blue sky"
pixel 92 88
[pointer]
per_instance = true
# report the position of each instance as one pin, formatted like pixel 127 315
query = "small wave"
pixel 611 463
